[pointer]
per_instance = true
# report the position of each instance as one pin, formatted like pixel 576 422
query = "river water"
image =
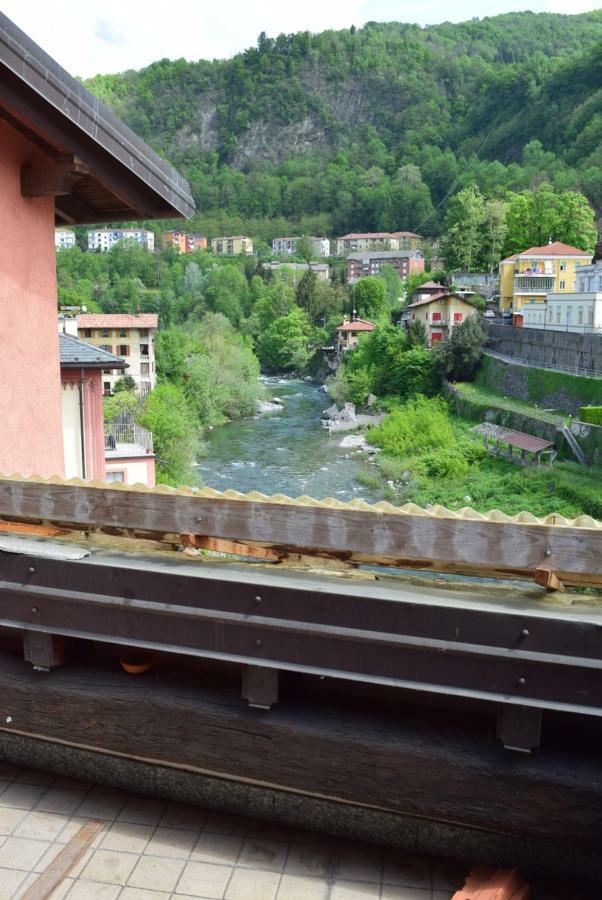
pixel 288 452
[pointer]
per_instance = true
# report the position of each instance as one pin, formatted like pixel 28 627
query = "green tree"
pixel 306 291
pixel 284 346
pixel 369 297
pixel 459 356
pixel 536 217
pixel 305 249
pixel 417 336
pixel 463 229
pixel 167 415
pixel 125 383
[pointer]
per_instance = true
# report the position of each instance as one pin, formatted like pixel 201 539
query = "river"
pixel 283 453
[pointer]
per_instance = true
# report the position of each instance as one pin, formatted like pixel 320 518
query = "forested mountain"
pixel 374 128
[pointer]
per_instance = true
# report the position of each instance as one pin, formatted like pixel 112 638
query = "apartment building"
pixel 529 276
pixel 322 270
pixel 579 313
pixel 378 240
pixel 440 314
pixel 288 245
pixel 104 239
pixel 232 246
pixel 405 262
pixel 64 238
pixel 182 242
pixel 132 337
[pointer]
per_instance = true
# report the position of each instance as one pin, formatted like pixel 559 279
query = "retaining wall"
pixel 541 387
pixel 546 348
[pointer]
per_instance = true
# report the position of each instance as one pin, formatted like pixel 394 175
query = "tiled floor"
pixel 154 850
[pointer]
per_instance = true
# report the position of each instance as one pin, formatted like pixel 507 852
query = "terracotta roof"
pixel 366 234
pixel 556 248
pixel 75 354
pixel 405 234
pixel 439 297
pixel 357 325
pixel 118 320
pixel 430 284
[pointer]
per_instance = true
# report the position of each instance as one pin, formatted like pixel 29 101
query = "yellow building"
pixel 440 314
pixel 232 246
pixel 527 277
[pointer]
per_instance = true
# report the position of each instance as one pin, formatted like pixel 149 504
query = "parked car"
pixel 489 314
pixel 506 314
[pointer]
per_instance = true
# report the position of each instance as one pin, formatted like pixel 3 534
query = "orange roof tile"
pixel 118 320
pixel 357 325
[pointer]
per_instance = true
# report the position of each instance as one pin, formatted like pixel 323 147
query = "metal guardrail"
pixel 117 433
pixel 517 361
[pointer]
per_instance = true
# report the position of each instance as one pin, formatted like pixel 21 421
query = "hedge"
pixel 591 414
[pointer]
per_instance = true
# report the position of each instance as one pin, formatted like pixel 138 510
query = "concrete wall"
pixel 546 348
pixel 31 439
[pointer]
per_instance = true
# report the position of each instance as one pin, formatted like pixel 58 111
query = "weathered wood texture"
pixel 393 760
pixel 52 878
pixel 474 546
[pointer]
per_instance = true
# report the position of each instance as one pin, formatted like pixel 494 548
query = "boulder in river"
pixel 266 406
pixel 334 414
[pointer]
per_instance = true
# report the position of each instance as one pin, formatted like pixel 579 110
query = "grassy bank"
pixel 428 457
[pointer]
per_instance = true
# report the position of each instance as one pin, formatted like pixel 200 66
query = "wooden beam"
pixel 419 764
pixel 438 543
pixel 54 875
pixel 52 179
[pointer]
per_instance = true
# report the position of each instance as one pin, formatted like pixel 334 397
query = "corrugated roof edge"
pixel 380 508
pixel 35 68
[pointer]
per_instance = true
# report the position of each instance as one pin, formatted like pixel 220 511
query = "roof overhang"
pixel 98 170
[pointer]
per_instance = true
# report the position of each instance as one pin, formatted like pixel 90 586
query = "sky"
pixel 89 37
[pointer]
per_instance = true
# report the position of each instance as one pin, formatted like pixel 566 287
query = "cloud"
pixel 105 33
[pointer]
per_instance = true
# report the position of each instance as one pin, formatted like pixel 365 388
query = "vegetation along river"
pixel 286 452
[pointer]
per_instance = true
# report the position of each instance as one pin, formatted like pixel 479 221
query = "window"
pixel 590 315
pixel 436 317
pixel 123 332
pixel 144 370
pixel 144 349
pixel 106 387
pixel 562 285
pixel 123 350
pixel 116 476
pixel 105 333
pixel 107 347
pixel 558 314
pixel 563 267
pixel 143 332
pixel 87 332
pixel 457 317
pixel 580 315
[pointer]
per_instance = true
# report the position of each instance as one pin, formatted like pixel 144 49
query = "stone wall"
pixel 540 387
pixel 546 348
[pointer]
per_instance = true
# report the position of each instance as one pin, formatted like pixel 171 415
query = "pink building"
pixel 64 159
pixel 93 449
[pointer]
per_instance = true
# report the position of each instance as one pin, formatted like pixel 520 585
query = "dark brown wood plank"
pixel 367 754
pixel 473 546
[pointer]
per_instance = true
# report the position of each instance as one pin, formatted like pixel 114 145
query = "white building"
pixel 580 312
pixel 288 245
pixel 64 238
pixel 131 337
pixel 589 278
pixel 104 239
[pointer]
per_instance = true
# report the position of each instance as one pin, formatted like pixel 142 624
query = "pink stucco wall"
pixel 31 440
pixel 93 418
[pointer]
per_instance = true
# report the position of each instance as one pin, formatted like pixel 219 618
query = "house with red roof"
pixel 348 333
pixel 130 336
pixel 528 276
pixel 440 313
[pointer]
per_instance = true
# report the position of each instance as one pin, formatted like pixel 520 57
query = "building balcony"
pixel 127 439
pixel 438 323
pixel 533 283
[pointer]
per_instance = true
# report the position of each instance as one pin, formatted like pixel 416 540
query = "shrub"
pixel 419 425
pixel 591 414
pixel 369 478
